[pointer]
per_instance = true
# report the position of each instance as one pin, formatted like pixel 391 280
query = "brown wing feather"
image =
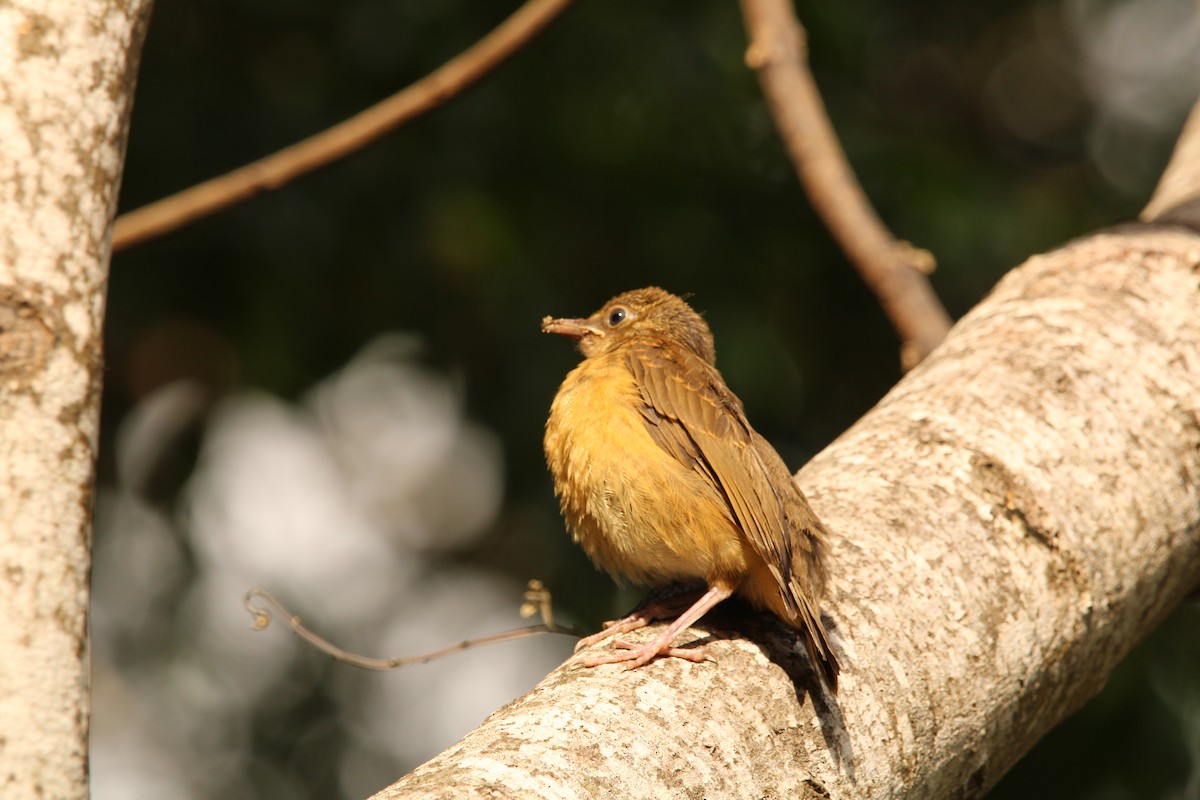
pixel 693 416
pixel 700 422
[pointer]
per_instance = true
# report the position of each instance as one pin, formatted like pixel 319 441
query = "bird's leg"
pixel 634 657
pixel 665 606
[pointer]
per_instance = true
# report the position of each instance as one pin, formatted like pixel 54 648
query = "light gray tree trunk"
pixel 1008 522
pixel 67 70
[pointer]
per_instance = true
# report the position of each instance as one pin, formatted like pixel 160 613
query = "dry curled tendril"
pixel 262 605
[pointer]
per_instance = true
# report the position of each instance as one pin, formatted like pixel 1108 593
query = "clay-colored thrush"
pixel 662 479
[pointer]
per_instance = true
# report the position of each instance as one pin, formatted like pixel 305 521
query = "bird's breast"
pixel 635 509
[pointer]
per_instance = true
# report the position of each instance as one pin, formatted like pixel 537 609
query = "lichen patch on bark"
pixel 25 340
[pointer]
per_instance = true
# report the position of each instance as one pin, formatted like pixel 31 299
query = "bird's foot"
pixel 615 627
pixel 634 656
pixel 661 608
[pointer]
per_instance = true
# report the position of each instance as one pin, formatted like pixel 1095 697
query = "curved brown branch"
pixel 1177 196
pixel 273 171
pixel 894 271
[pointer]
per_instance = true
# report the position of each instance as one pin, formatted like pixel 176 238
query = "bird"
pixel 662 480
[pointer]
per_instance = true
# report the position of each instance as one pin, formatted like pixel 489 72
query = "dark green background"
pixel 628 146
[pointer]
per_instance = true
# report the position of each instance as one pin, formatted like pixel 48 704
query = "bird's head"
pixel 644 314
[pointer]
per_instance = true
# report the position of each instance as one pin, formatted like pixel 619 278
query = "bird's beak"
pixel 572 328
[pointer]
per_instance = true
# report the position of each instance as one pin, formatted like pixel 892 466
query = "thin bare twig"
pixel 283 166
pixel 537 601
pixel 895 271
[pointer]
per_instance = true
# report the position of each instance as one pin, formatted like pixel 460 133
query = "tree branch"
pixel 279 168
pixel 67 72
pixel 894 271
pixel 1007 523
pixel 262 605
pixel 1176 199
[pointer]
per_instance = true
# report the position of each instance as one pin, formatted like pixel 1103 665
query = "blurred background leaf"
pixel 337 390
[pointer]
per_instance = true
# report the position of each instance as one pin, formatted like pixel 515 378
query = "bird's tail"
pixel 816 642
pixel 792 602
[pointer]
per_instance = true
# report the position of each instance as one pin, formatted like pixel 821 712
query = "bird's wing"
pixel 693 416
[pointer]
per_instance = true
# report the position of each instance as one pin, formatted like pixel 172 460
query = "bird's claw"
pixel 634 655
pixel 614 627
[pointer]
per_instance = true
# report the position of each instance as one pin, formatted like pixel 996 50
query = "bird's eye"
pixel 617 317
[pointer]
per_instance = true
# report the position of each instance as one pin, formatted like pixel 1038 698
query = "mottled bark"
pixel 66 78
pixel 1009 521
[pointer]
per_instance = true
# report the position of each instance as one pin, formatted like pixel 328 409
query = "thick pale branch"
pixel 67 72
pixel 1008 522
pixel 894 271
pixel 1177 197
pixel 277 169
